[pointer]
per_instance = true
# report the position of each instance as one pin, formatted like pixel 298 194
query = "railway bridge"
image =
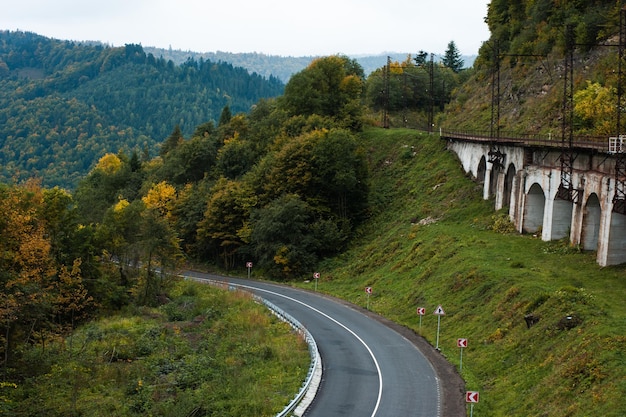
pixel 560 190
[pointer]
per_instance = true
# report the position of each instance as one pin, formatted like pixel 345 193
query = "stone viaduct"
pixel 526 182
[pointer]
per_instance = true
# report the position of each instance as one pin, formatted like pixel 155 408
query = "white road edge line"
pixel 380 375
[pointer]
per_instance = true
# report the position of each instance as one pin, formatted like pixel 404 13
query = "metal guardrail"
pixel 315 356
pixel 295 324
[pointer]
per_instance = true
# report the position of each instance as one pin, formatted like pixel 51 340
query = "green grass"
pixel 486 282
pixel 207 352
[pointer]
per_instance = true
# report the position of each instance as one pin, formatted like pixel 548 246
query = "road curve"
pixel 369 368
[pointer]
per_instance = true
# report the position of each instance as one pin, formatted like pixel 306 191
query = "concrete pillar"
pixel 576 228
pixel 561 219
pixel 499 190
pixel 546 234
pixel 606 205
pixel 487 183
pixel 516 204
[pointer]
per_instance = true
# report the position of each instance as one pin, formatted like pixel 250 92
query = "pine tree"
pixel 421 58
pixel 452 58
pixel 225 116
pixel 172 142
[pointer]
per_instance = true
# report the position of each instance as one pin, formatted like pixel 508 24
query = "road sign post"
pixel 472 397
pixel 316 277
pixel 461 343
pixel 438 312
pixel 368 291
pixel 420 312
pixel 249 266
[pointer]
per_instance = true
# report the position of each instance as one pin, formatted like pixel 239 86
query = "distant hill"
pixel 265 65
pixel 65 104
pixel 282 67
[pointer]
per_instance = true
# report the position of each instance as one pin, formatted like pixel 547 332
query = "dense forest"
pixel 63 104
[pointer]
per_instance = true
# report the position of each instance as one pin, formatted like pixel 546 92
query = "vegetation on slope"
pixel 518 84
pixel 286 183
pixel 206 352
pixel 433 241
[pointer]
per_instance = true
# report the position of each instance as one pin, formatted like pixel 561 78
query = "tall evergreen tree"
pixel 225 116
pixel 172 142
pixel 452 58
pixel 421 58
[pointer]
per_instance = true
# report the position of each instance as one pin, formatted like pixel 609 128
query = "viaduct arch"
pixel 527 186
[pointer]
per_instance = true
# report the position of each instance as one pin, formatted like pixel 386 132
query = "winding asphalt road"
pixel 369 369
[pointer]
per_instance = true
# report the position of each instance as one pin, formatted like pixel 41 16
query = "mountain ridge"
pixel 283 67
pixel 63 105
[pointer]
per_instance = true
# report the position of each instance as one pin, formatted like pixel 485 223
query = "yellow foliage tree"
pixel 38 295
pixel 109 164
pixel 161 198
pixel 594 108
pixel 27 270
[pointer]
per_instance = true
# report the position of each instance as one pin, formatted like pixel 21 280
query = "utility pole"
pixel 386 93
pixel 494 127
pixel 566 189
pixel 619 198
pixel 431 87
pixel 404 112
pixel 496 156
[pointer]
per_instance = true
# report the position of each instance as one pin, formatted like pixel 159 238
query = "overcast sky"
pixel 274 27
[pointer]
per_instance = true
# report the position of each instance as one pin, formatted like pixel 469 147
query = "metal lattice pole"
pixel 566 189
pixel 619 198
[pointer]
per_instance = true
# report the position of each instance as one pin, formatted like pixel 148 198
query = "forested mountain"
pixel 63 105
pixel 281 67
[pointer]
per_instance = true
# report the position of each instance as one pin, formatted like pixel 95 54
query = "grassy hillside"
pixel 432 240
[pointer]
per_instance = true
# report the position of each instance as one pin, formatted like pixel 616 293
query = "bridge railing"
pixel 598 143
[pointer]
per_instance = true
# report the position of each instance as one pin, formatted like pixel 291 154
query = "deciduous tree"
pixel 329 86
pixel 594 109
pixel 226 219
pixel 282 238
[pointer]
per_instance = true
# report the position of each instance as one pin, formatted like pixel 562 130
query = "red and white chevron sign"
pixel 462 343
pixel 472 396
